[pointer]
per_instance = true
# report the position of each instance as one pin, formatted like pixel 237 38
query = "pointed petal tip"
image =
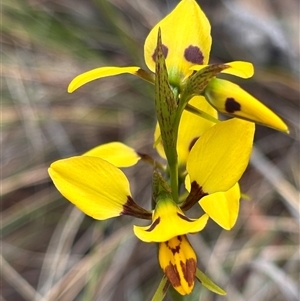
pixel 101 72
pixel 71 87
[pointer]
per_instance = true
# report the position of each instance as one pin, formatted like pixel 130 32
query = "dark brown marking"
pixel 165 51
pixel 154 224
pixel 133 209
pixel 172 274
pixel 189 270
pixel 193 143
pixel 184 217
pixel 194 55
pixel 194 196
pixel 174 250
pixel 231 105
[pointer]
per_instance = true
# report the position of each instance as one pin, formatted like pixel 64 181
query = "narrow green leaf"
pixel 209 284
pixel 161 290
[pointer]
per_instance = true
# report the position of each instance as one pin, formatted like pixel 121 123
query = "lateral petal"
pixel 116 153
pixel 219 158
pixel 238 68
pixel 223 207
pixel 97 73
pixel 96 187
pixel 231 99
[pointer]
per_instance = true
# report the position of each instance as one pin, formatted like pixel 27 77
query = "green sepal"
pixel 197 83
pixel 165 104
pixel 209 284
pixel 161 290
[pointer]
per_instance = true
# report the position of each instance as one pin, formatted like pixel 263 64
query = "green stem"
pixel 173 167
pixel 173 159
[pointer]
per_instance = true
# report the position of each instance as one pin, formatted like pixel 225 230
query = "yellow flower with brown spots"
pixel 186 43
pixel 95 184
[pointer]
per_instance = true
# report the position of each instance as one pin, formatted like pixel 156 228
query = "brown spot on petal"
pixel 194 196
pixel 189 270
pixel 165 51
pixel 231 105
pixel 194 55
pixel 172 274
pixel 133 209
pixel 176 249
pixel 153 225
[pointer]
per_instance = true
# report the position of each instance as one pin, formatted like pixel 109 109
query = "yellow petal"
pixel 178 260
pixel 231 99
pixel 223 207
pixel 219 158
pixel 238 68
pixel 191 127
pixel 169 221
pixel 186 40
pixel 97 73
pixel 96 187
pixel 115 153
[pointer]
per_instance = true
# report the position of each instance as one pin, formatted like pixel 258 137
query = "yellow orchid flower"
pixel 101 190
pixel 186 43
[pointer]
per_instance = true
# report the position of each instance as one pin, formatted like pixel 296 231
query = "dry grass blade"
pixel 59 250
pixel 274 176
pixel 75 279
pixel 29 177
pixel 10 275
pixel 288 287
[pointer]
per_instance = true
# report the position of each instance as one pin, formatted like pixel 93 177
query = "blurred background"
pixel 50 250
